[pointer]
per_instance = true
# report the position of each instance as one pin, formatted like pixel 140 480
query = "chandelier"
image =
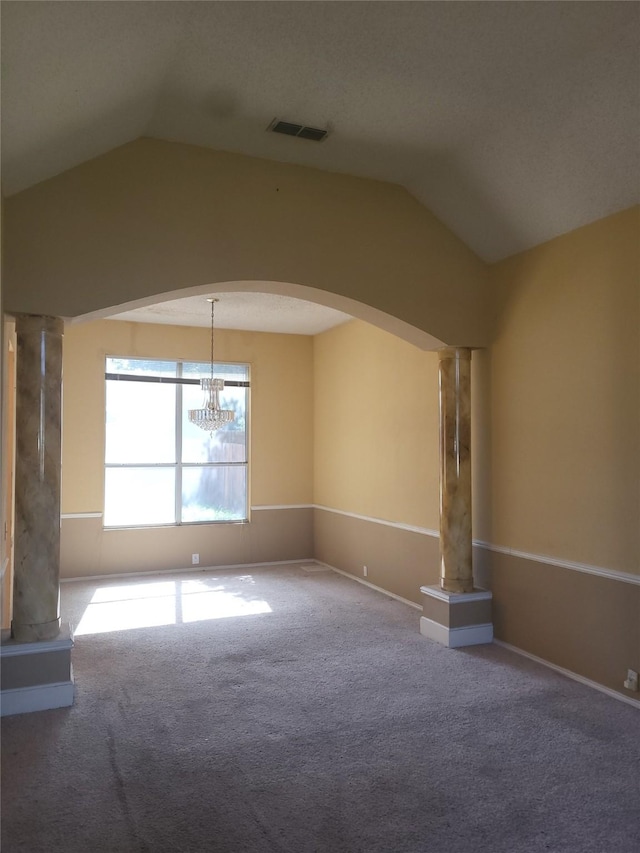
pixel 211 417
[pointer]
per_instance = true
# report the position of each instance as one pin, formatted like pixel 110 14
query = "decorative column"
pixel 454 613
pixel 36 613
pixel 454 388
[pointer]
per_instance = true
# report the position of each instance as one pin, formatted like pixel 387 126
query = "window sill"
pixel 179 524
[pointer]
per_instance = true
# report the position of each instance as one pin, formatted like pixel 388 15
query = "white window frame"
pixel 179 465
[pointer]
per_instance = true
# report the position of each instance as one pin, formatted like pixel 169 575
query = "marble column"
pixel 455 614
pixel 454 378
pixel 37 484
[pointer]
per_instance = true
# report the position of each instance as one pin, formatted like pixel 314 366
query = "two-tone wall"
pixel 281 448
pixel 376 457
pixel 556 453
pixel 562 433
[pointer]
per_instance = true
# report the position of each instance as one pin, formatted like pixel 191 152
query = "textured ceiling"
pixel 257 312
pixel 513 122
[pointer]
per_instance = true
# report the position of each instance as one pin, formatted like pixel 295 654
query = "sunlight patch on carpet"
pixel 151 604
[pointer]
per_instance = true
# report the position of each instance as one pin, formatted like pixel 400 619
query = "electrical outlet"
pixel 631 682
pixel 195 559
pixel 365 571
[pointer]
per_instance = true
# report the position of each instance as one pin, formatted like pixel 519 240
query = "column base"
pixel 36 633
pixel 456 619
pixel 36 676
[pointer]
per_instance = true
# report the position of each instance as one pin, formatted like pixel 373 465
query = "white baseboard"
pixel 42 697
pixel 370 585
pixel 189 570
pixel 456 638
pixel 635 703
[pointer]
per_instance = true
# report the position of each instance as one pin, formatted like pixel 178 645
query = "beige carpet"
pixel 276 710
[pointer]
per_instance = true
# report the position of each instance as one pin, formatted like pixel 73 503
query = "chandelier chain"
pixel 211 417
pixel 213 304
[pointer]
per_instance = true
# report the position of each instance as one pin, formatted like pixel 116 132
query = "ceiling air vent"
pixel 290 129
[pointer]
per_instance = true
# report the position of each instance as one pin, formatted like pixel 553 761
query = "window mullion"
pixel 179 447
pixel 139 465
pixel 215 488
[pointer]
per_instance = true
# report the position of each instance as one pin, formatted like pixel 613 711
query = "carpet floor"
pixel 280 711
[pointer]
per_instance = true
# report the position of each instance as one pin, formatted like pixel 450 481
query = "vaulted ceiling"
pixel 513 122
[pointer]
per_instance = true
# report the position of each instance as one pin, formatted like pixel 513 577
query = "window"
pixel 159 467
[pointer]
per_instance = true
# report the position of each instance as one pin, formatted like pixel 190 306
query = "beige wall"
pixel 376 456
pixel 556 453
pixel 281 451
pixel 564 379
pixel 584 623
pixel 156 217
pixel 397 560
pixel 376 425
pixel 281 403
pixel 382 460
pixel 272 536
pixel 556 408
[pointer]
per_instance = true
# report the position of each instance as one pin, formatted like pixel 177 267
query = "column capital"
pixel 29 323
pixel 460 353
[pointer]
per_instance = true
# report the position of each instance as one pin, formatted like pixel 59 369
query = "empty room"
pixel 320 427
